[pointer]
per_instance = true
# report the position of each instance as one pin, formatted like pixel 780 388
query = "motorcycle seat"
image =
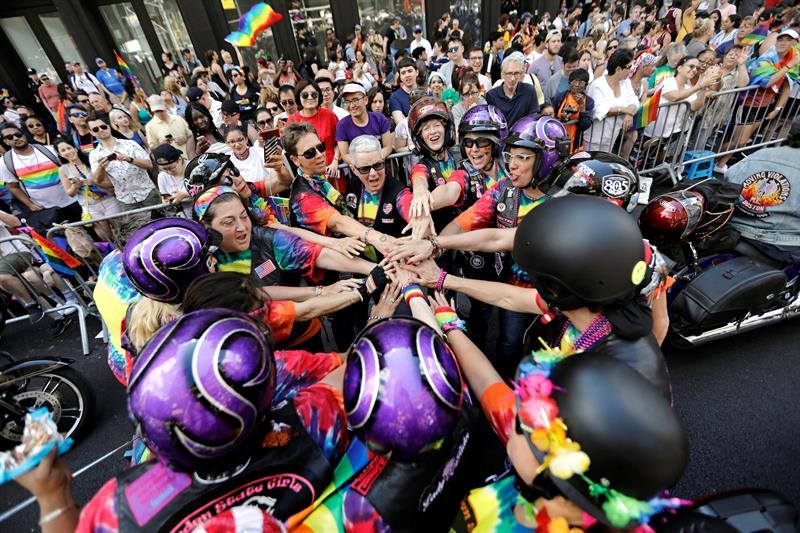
pixel 748 250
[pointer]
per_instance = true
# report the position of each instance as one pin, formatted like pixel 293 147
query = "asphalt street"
pixel 737 397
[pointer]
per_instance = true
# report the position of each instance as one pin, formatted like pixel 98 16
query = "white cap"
pixel 791 33
pixel 351 88
pixel 551 34
pixel 156 103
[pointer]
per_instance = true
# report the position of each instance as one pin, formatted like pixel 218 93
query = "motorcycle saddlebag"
pixel 727 291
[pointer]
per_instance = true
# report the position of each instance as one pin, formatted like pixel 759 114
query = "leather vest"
pixel 441 217
pixel 283 477
pixel 388 219
pixel 506 213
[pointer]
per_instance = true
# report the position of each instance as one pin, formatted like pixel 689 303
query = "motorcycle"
pixel 723 284
pixel 42 382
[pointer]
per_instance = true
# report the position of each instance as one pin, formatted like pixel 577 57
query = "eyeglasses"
pixel 101 127
pixel 471 93
pixel 18 135
pixel 309 96
pixel 476 58
pixel 352 101
pixel 287 103
pixel 312 152
pixel 629 65
pixel 377 167
pixel 79 114
pixel 577 83
pixel 513 74
pixel 454 49
pixel 522 158
pixel 480 143
pixel 273 109
pixel 236 141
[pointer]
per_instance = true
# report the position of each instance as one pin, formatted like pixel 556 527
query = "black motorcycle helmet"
pixel 581 251
pixel 206 171
pixel 634 441
pixel 596 174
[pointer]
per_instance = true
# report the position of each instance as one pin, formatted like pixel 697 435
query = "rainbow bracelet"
pixel 448 320
pixel 412 291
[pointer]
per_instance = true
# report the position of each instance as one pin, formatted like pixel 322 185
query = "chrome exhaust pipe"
pixel 792 310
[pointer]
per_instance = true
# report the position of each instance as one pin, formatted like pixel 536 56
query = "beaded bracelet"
pixel 448 320
pixel 436 252
pixel 440 281
pixel 411 291
pixel 52 515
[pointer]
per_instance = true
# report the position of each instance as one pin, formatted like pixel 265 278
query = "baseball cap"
pixel 99 60
pixel 166 154
pixel 194 94
pixel 351 88
pixel 417 28
pixel 31 71
pixel 790 33
pixel 340 76
pixel 357 27
pixel 199 70
pixel 229 106
pixel 323 73
pixel 156 103
pixel 551 34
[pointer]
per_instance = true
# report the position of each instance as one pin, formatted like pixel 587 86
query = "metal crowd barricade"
pixel 26 245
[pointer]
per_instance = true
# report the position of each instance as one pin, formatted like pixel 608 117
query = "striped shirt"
pixel 39 178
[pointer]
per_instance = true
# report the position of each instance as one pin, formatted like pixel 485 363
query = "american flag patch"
pixel 265 269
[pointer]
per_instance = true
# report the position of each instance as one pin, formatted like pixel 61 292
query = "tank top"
pixel 142 114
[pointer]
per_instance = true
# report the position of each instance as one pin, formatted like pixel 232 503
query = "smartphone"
pixel 270 142
pixel 112 156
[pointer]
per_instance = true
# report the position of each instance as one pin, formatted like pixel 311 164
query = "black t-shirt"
pixel 248 102
pixel 391 35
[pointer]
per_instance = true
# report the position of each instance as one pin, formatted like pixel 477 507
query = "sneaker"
pixel 35 313
pixel 60 326
pixel 721 169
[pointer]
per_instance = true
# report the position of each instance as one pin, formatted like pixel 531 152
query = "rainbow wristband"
pixel 448 320
pixel 412 291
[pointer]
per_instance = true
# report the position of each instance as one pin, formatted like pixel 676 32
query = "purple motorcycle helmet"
pixel 200 387
pixel 546 136
pixel 402 388
pixel 164 256
pixel 488 121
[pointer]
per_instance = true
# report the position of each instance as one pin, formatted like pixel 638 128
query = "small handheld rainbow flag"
pixel 260 17
pixel 757 36
pixel 55 256
pixel 648 112
pixel 123 66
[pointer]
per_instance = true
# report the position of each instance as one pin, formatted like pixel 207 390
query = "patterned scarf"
pixel 321 185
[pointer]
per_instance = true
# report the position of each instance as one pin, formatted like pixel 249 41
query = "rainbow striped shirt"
pixel 39 177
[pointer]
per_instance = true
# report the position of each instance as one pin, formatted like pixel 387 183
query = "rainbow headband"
pixel 207 198
pixel 537 413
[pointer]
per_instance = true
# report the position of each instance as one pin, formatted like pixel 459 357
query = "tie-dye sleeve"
pixel 498 405
pixel 420 171
pixel 259 207
pixel 312 212
pixel 321 410
pixel 279 315
pixel 403 203
pixel 294 253
pixel 460 177
pixel 298 369
pixel 481 214
pixel 100 514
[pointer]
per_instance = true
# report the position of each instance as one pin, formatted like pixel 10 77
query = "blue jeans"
pixel 510 341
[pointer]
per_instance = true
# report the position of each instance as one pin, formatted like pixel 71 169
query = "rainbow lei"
pixel 538 415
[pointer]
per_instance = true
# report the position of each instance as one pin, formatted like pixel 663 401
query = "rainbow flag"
pixel 55 256
pixel 648 112
pixel 123 66
pixel 324 515
pixel 757 36
pixel 260 17
pixel 767 65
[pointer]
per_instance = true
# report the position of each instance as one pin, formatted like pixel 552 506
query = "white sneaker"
pixel 69 298
pixel 721 169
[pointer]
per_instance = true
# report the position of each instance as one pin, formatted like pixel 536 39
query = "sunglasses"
pixel 84 101
pixel 34 125
pixel 79 114
pixel 101 127
pixel 286 103
pixel 283 120
pixel 314 150
pixel 262 122
pixel 273 109
pixel 612 47
pixel 18 135
pixel 377 167
pixel 480 143
pixel 234 75
pixel 454 49
pixel 309 96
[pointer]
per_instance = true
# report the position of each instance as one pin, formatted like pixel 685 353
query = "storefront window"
pixel 311 19
pixel 468 14
pixel 27 45
pixel 132 44
pixel 62 39
pixel 378 13
pixel 168 22
pixel 265 42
